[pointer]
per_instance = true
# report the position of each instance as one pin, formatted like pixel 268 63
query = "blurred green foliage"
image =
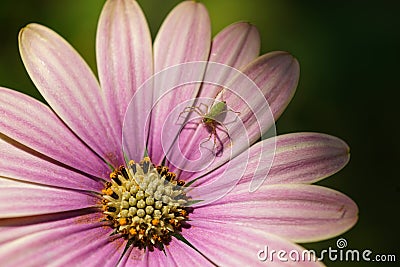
pixel 348 52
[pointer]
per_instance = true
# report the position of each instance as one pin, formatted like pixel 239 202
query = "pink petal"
pixel 236 45
pixel 183 255
pixel 23 199
pixel 15 228
pixel 137 257
pixel 34 125
pixel 228 244
pixel 177 253
pixel 184 36
pixel 26 166
pixel 277 75
pixel 301 213
pixel 140 258
pixel 97 248
pixel 289 158
pixel 70 88
pixel 76 240
pixel 124 56
pixel 303 158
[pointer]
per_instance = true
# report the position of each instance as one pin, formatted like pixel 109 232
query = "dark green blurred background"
pixel 349 86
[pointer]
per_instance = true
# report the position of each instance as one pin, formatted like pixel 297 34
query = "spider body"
pixel 212 118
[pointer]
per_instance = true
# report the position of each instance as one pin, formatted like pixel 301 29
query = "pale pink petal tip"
pixel 305 157
pixel 277 75
pixel 184 36
pixel 69 86
pixel 124 55
pixel 236 45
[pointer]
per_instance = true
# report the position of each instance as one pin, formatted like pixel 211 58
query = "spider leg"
pixel 204 105
pixel 235 118
pixel 219 150
pixel 195 109
pixel 223 128
pixel 209 137
pixel 213 133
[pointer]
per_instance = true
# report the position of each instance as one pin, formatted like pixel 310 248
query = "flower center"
pixel 145 203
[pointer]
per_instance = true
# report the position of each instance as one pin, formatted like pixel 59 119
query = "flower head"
pixel 159 162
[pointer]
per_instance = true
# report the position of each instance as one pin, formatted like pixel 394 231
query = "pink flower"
pixel 58 204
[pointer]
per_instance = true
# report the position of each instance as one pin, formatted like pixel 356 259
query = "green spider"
pixel 212 119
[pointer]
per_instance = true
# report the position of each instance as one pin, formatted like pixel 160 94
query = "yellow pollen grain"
pixel 109 191
pixel 131 162
pixel 155 222
pixel 132 231
pixel 122 221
